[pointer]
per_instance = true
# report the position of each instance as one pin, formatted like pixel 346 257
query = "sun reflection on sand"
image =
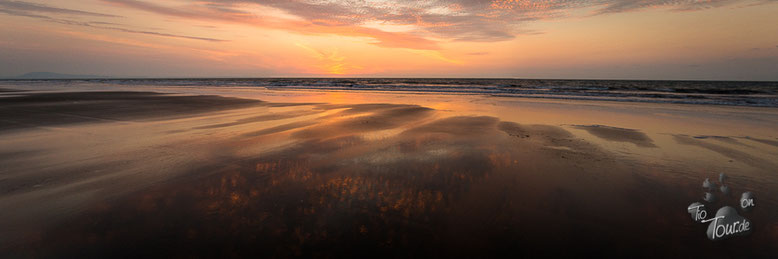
pixel 356 176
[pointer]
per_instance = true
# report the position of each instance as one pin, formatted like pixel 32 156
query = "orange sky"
pixel 618 39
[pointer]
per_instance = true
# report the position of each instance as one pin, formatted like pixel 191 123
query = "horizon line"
pixel 18 78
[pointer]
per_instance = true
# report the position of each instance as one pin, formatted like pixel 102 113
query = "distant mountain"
pixel 49 75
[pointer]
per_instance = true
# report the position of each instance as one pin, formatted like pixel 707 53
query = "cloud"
pixel 212 11
pixel 23 14
pixel 437 20
pixel 20 6
pixel 90 24
pixel 446 20
pixel 612 6
pixel 427 22
pixel 29 10
pixel 677 5
pixel 149 7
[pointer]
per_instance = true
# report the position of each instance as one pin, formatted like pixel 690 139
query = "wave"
pixel 739 93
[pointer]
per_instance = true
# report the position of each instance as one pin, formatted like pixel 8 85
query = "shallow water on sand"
pixel 363 174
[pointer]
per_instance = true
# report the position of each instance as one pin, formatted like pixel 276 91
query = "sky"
pixel 568 39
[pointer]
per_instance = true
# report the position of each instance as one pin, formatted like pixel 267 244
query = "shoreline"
pixel 724 93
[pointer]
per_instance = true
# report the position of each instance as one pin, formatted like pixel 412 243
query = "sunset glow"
pixel 714 39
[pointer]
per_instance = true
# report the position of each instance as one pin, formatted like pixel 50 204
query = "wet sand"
pixel 333 174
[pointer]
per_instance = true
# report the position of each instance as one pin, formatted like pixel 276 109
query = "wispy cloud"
pixel 20 6
pixel 44 12
pixel 676 5
pixel 94 25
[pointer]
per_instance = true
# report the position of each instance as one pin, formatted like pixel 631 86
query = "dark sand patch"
pixel 725 151
pixel 723 139
pixel 527 131
pixel 460 126
pixel 564 143
pixel 50 109
pixel 262 118
pixel 771 142
pixel 618 134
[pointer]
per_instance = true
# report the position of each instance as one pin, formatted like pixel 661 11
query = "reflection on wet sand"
pixel 393 180
pixel 618 134
pixel 261 118
pixel 362 118
pixel 726 151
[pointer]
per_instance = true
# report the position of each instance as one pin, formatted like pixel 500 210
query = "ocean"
pixel 737 93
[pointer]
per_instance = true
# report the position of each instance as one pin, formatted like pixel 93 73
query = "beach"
pixel 92 170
